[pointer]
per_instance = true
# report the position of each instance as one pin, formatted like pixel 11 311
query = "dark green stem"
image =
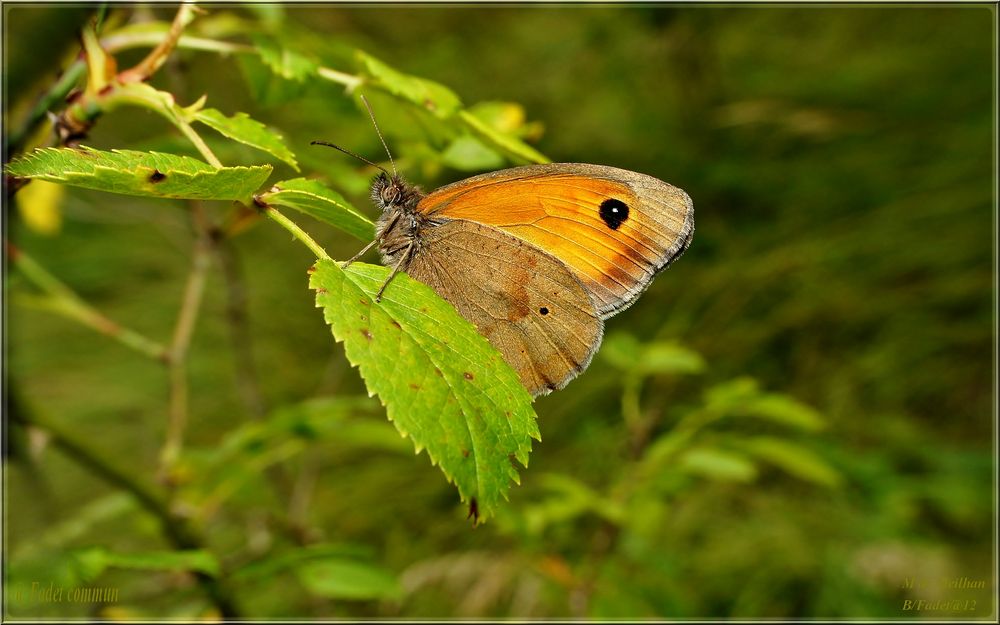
pixel 50 100
pixel 177 530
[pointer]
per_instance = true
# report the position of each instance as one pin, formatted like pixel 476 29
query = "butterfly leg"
pixel 404 258
pixel 378 237
pixel 360 254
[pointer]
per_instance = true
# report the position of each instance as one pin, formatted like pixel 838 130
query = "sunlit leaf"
pixel 442 383
pixel 95 560
pixel 742 397
pixel 150 174
pixel 507 118
pixel 289 559
pixel 283 61
pixel 786 410
pixel 466 153
pixel 426 94
pixel 718 464
pixel 317 200
pixel 244 129
pixel 509 145
pixel 792 458
pixel 348 579
pixel 627 353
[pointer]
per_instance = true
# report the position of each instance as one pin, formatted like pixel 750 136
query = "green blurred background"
pixel 841 164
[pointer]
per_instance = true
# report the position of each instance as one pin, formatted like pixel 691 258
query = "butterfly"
pixel 536 257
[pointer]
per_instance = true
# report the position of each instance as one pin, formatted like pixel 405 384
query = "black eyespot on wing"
pixel 543 310
pixel 614 212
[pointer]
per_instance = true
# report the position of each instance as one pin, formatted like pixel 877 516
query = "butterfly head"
pixel 390 192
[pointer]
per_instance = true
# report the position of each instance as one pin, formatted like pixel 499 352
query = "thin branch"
pixel 158 56
pixel 247 383
pixel 348 80
pixel 127 41
pixel 64 301
pixel 54 96
pixel 177 530
pixel 297 232
pixel 197 141
pixel 183 330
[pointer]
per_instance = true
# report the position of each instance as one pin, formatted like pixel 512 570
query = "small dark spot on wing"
pixel 614 213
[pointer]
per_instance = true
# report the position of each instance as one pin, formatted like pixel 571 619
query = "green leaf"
pixel 567 498
pixel 95 560
pixel 442 383
pixel 266 87
pixel 284 62
pixel 742 397
pixel 348 579
pixel 507 144
pixel 503 116
pixel 626 352
pixel 241 127
pixel 718 464
pixel 317 200
pixel 289 559
pixel 507 118
pixel 149 174
pixel 793 459
pixel 466 153
pixel 426 94
pixel 785 410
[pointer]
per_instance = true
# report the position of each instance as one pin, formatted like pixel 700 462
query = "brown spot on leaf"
pixel 465 453
pixel 157 176
pixel 320 289
pixel 311 269
pixel 469 376
pixel 507 414
pixel 365 333
pixel 438 371
pixel 106 90
pixel 396 323
pixel 473 511
pixel 364 302
pixel 415 387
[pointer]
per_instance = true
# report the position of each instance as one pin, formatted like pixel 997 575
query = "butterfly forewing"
pixel 613 229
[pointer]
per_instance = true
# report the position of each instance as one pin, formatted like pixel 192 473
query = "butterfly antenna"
pixel 349 153
pixel 379 132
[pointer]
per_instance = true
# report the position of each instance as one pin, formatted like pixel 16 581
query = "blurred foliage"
pixel 797 419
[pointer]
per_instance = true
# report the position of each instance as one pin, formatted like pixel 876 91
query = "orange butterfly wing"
pixel 614 251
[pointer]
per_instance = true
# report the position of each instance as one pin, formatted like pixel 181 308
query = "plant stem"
pixel 64 301
pixel 158 55
pixel 197 141
pixel 297 232
pixel 247 382
pixel 177 530
pixel 348 80
pixel 127 41
pixel 55 95
pixel 183 330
